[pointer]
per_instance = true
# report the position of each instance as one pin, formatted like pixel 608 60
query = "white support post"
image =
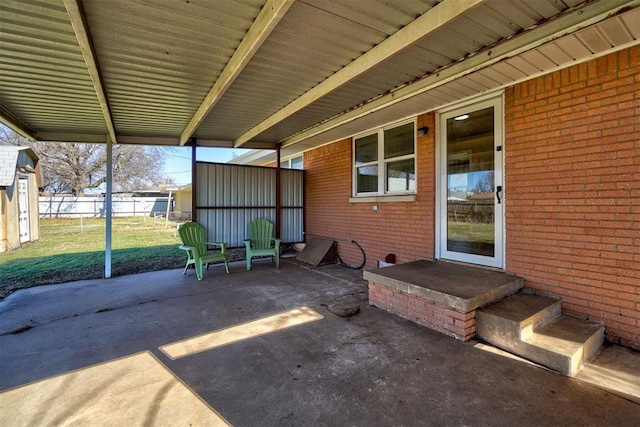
pixel 108 202
pixel 166 218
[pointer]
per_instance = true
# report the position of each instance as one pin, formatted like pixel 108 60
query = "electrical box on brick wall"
pixel 389 260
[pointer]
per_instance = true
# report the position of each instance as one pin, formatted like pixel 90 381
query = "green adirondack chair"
pixel 261 242
pixel 196 245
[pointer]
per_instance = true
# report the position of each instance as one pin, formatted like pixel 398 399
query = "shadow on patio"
pixel 90 352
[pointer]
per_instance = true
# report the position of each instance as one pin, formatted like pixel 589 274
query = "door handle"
pixel 498 191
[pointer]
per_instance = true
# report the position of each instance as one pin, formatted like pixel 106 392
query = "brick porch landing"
pixel 439 295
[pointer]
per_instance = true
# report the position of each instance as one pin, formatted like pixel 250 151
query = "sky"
pixel 178 160
pixel 177 163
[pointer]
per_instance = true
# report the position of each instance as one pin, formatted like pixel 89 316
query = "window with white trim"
pixel 293 163
pixel 384 161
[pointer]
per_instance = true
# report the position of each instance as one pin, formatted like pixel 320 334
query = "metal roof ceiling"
pixel 254 73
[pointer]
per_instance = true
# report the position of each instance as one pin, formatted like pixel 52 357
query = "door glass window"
pixel 470 183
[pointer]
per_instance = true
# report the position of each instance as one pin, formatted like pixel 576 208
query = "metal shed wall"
pixel 229 197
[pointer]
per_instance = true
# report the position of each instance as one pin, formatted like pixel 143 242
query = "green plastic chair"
pixel 261 242
pixel 196 245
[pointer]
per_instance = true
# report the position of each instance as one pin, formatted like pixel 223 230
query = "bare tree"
pixel 485 184
pixel 76 167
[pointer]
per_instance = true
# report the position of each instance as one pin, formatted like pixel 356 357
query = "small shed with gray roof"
pixel 20 182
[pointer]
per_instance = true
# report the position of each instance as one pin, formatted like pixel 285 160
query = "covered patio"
pixel 147 349
pixel 306 77
pixel 281 76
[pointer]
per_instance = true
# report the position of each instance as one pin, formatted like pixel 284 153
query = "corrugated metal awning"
pixel 261 72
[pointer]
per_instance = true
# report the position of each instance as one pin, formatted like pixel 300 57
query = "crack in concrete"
pixel 33 325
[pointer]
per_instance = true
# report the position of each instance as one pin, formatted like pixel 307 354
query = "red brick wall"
pixel 461 326
pixel 572 189
pixel 404 229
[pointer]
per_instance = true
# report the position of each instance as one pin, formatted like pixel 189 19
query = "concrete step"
pixel 565 344
pixel 532 327
pixel 514 318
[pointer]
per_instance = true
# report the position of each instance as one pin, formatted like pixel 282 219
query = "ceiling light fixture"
pixel 462 117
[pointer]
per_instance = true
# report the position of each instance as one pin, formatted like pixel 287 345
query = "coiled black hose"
pixel 364 257
pixel 340 261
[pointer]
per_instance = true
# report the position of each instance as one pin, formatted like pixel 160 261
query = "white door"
pixel 471 190
pixel 23 210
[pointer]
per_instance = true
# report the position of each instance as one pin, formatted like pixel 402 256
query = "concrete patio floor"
pixel 90 353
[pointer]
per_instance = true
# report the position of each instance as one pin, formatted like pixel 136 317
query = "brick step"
pixel 439 295
pixel 532 327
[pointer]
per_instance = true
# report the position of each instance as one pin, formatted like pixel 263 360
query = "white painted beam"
pixel 433 19
pixel 144 140
pixel 570 22
pixel 141 140
pixel 14 123
pixel 71 137
pixel 267 20
pixel 81 29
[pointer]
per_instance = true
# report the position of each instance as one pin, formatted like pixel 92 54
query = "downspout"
pixel 109 210
pixel 278 193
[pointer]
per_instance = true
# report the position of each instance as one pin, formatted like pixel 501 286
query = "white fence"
pixel 85 207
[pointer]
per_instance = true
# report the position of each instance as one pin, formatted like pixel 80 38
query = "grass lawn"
pixel 69 250
pixel 471 231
